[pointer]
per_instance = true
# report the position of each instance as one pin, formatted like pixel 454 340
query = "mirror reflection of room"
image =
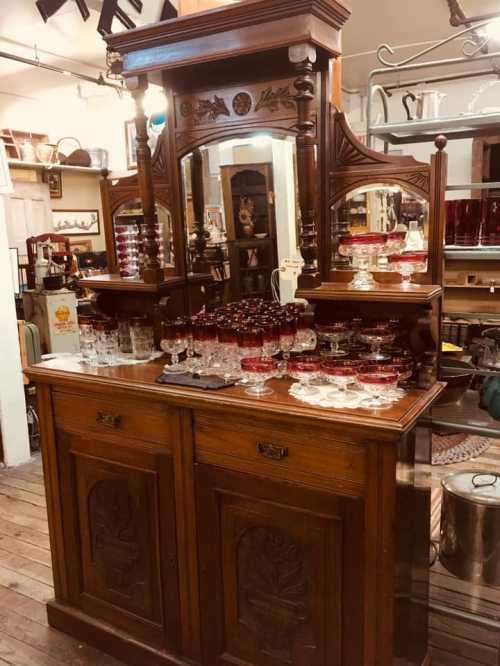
pixel 381 209
pixel 249 206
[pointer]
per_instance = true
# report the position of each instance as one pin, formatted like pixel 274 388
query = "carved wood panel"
pixel 120 510
pixel 275 566
pixel 206 116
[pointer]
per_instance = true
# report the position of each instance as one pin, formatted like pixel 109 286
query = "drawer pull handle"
pixel 272 451
pixel 109 420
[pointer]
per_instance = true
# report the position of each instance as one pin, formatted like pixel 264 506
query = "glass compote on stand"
pixel 378 385
pixel 407 264
pixel 335 334
pixel 376 337
pixel 342 376
pixel 174 340
pixel 363 248
pixel 304 369
pixel 257 371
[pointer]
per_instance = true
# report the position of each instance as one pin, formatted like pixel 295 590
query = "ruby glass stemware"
pixel 407 264
pixel 376 337
pixel 341 376
pixel 174 340
pixel 257 371
pixel 378 385
pixel 304 369
pixel 363 248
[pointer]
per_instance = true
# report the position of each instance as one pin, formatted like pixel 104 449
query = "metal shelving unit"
pixel 20 164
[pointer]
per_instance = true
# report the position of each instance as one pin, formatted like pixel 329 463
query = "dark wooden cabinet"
pixel 277 581
pixel 118 518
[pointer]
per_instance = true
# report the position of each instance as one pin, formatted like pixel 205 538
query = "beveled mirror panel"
pixel 249 204
pixel 379 208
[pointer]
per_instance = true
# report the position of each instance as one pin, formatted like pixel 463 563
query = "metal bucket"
pixel 470 527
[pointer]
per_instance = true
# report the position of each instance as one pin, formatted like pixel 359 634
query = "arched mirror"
pixel 380 208
pixel 246 191
pixel 128 228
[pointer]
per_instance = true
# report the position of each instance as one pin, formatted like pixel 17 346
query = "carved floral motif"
pixel 116 549
pixel 273 589
pixel 272 99
pixel 205 109
pixel 242 103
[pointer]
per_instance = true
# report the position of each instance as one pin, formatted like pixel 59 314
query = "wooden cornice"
pixel 224 19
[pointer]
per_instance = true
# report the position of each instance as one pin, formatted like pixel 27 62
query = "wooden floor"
pixel 26 579
pixel 26 584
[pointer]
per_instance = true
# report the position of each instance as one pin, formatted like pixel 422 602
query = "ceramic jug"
pixel 427 102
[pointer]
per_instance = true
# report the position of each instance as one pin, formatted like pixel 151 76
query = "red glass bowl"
pixel 364 239
pixel 377 378
pixel 304 364
pixel 338 370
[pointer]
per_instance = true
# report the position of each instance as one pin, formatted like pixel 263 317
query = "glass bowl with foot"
pixel 304 369
pixel 174 341
pixel 363 248
pixel 257 371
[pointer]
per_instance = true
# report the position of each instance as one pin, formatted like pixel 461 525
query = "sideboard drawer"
pixel 306 455
pixel 147 421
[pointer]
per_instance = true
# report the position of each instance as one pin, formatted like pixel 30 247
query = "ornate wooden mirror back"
pixel 362 181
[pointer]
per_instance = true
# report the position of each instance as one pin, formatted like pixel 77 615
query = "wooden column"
pixel 152 273
pixel 303 56
pixel 200 264
pixel 439 163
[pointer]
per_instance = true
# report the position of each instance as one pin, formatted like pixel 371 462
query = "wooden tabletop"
pixel 140 380
pixel 383 293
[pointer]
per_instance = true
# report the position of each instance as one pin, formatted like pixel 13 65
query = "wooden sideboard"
pixel 206 527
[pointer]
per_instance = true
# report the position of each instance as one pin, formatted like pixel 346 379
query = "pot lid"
pixel 481 487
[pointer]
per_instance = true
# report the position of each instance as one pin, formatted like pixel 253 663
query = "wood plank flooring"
pixel 26 584
pixel 26 579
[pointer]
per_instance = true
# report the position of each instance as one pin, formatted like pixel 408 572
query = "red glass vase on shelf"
pixel 468 222
pixel 490 230
pixel 451 222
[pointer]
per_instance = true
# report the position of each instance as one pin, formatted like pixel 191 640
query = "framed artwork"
pixel 76 222
pixel 156 123
pixel 5 181
pixel 54 181
pixel 78 246
pixel 214 217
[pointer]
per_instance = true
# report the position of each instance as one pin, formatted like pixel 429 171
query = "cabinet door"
pixel 281 573
pixel 119 524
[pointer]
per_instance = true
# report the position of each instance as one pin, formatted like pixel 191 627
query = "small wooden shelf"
pixel 453 253
pixel 20 164
pixel 472 286
pixel 384 293
pixel 114 282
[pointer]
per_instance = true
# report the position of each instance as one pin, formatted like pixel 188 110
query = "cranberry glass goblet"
pixel 257 371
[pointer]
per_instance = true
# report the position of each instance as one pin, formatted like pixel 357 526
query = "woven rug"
pixel 459 447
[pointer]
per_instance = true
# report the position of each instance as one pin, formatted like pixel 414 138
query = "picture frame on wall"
pixel 156 124
pixel 78 246
pixel 54 181
pixel 76 222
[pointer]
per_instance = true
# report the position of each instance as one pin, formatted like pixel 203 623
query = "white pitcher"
pixel 428 104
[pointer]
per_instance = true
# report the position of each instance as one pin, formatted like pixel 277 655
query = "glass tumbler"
pixel 468 224
pixel 87 338
pixel 451 222
pixel 141 334
pixel 106 341
pixel 490 231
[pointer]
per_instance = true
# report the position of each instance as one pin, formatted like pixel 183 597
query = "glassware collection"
pixel 365 249
pixel 346 364
pixel 129 240
pixel 105 341
pixel 473 222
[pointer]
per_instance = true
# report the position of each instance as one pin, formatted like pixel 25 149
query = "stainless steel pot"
pixel 470 527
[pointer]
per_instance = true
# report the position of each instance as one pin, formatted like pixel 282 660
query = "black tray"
pixel 207 383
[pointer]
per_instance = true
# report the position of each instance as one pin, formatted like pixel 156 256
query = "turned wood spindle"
pixel 200 262
pixel 152 271
pixel 303 56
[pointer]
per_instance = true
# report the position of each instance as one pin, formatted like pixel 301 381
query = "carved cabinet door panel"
pixel 119 522
pixel 281 573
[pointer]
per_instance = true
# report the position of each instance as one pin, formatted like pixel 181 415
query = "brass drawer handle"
pixel 272 451
pixel 109 420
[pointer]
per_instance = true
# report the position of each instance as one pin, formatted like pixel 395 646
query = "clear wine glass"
pixel 335 334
